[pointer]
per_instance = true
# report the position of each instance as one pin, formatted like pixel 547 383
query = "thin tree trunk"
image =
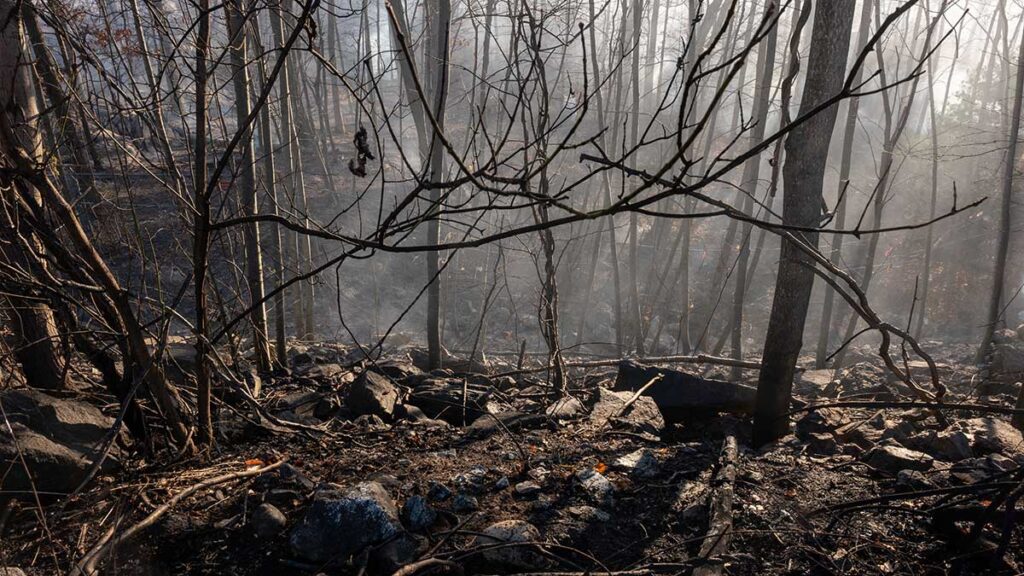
pixel 201 233
pixel 751 174
pixel 994 317
pixel 845 163
pixel 804 172
pixel 439 71
pixel 636 319
pixel 247 184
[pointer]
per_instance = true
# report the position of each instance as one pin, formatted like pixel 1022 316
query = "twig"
pixel 636 395
pixel 87 565
pixel 429 563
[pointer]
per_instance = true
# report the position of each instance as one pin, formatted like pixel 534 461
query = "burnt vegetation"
pixel 563 287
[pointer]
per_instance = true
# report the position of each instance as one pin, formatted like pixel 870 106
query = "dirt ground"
pixel 800 507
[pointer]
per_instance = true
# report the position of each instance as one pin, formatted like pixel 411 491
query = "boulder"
pixel 398 370
pixel 822 443
pixel 949 445
pixel 642 416
pixel 913 480
pixel 306 406
pixel 417 416
pixel 395 553
pixel 58 439
pixel 813 382
pixel 994 435
pixel 680 396
pixel 372 393
pixel 1008 358
pixel 565 408
pixel 449 399
pixel 417 514
pixel 513 557
pixel 491 424
pixel 892 458
pixel 267 521
pixel 463 503
pixel 11 571
pixel 820 420
pixel 339 524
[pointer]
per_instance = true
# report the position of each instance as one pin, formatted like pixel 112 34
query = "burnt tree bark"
pixel 804 173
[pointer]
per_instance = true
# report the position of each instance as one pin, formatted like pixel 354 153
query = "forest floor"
pixel 574 489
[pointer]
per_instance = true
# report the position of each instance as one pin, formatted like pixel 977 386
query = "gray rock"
pixel 58 439
pixel 395 553
pixel 11 571
pixel 640 463
pixel 598 488
pixel 502 483
pixel 892 458
pixel 527 488
pixel 268 521
pixel 417 514
pixel 822 443
pixel 565 408
pixel 589 514
pixel 340 524
pixel 900 432
pixel 463 503
pixel 399 370
pixel 1008 358
pixel 820 421
pixel 437 491
pixel 993 435
pixel 414 414
pixel 372 393
pixel 680 395
pixel 913 480
pixel 949 445
pixel 1004 336
pixel 813 382
pixel 450 399
pixel 513 421
pixel 642 416
pixel 518 557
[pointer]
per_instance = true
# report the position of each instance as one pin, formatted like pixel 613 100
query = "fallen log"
pixel 696 359
pixel 716 542
pixel 680 396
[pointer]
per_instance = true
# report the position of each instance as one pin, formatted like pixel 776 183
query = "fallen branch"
pixel 910 404
pixel 716 543
pixel 696 359
pixel 428 564
pixel 632 400
pixel 87 565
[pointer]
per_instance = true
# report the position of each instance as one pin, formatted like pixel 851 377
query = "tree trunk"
pixel 439 72
pixel 887 162
pixel 636 316
pixel 201 233
pixel 751 172
pixel 995 306
pixel 247 183
pixel 845 162
pixel 36 338
pixel 804 173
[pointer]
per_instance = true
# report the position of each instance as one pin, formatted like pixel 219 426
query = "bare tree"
pixel 804 172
